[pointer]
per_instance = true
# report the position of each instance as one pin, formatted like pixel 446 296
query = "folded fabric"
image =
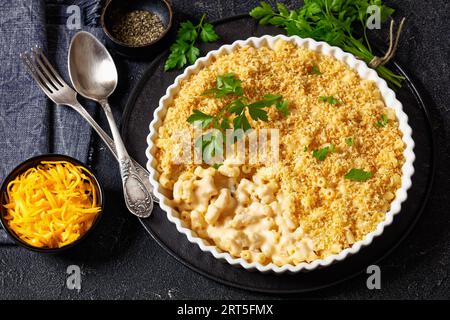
pixel 24 111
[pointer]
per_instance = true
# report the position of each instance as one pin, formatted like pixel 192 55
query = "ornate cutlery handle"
pixel 137 197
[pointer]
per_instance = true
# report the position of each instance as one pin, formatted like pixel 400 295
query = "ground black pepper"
pixel 136 27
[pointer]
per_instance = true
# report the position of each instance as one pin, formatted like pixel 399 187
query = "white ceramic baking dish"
pixel 364 72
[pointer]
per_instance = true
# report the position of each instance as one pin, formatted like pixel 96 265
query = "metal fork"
pixel 60 93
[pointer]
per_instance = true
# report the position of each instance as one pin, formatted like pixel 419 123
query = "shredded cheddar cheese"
pixel 51 205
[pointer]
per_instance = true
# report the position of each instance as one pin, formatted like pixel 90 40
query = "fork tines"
pixel 42 71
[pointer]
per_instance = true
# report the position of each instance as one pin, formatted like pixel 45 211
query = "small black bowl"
pixel 161 8
pixel 33 162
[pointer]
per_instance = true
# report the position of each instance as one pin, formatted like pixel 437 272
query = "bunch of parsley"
pixel 212 142
pixel 334 21
pixel 184 49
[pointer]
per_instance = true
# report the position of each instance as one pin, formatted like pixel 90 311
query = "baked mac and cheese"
pixel 299 208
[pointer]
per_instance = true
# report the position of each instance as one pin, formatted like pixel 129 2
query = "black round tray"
pixel 135 128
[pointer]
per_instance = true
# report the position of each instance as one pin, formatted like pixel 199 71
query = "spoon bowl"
pixel 91 67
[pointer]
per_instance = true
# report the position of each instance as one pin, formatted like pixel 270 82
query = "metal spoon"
pixel 94 75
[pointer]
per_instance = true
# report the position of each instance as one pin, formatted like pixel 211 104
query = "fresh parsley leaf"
pixel 207 33
pixel 386 12
pixel 229 84
pixel 292 29
pixel 241 122
pixel 338 22
pixel 333 100
pixel 218 144
pixel 175 60
pixel 198 116
pixel 260 104
pixel 172 61
pixel 258 13
pixel 284 11
pixel 283 106
pixel 349 141
pixel 276 21
pixel 313 8
pixel 179 46
pixel 236 107
pixel 208 152
pixel 187 31
pixel 177 57
pixel 198 145
pixel 382 122
pixel 263 11
pixel 258 114
pixel 330 99
pixel 226 84
pixel 225 124
pixel 202 142
pixel 315 70
pixel 271 99
pixel 211 146
pixel 358 175
pixel 192 54
pixel 267 101
pixel 322 153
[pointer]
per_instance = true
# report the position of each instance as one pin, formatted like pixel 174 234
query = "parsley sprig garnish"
pixel 337 22
pixel 232 116
pixel 184 49
pixel 358 175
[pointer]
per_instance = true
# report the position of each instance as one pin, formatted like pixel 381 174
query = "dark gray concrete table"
pixel 122 261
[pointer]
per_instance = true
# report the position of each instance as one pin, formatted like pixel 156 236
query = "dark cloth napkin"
pixel 30 124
